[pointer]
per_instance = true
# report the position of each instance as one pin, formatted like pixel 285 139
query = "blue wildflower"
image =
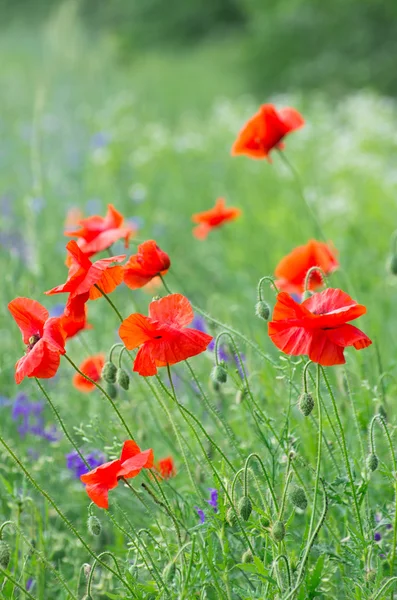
pixel 377 536
pixel 201 514
pixel 76 464
pixel 213 501
pixel 32 420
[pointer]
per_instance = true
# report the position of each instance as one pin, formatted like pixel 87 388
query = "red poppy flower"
pixel 43 336
pixel 166 467
pixel 84 276
pixel 265 130
pixel 74 318
pixel 149 262
pixel 99 233
pixel 91 366
pixel 163 336
pixel 106 477
pixel 292 269
pixel 318 327
pixel 215 217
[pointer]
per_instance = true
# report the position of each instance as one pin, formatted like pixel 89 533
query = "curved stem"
pixel 89 582
pixel 271 490
pixel 110 302
pixel 310 273
pixel 271 282
pixel 384 588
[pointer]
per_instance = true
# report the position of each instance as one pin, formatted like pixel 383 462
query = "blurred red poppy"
pixel 292 269
pixel 84 276
pixel 106 477
pixel 44 338
pixel 166 467
pixel 163 337
pixel 91 366
pixel 318 327
pixel 99 233
pixel 265 130
pixel 149 262
pixel 215 217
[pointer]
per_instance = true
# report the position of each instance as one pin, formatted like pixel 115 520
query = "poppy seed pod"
pixel 219 374
pixel 5 554
pixel 298 498
pixel 109 372
pixel 123 379
pixel 245 508
pixel 111 390
pixel 278 531
pixel 231 517
pixel 262 310
pixel 247 557
pixel 306 404
pixel 372 462
pixel 94 525
pixel 393 264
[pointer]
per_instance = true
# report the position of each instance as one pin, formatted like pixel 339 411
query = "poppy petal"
pixel 291 118
pixel 29 315
pixel 132 467
pixel 144 363
pixel 108 282
pixel 292 340
pixel 54 334
pixel 332 307
pixel 26 365
pixel 48 365
pixel 136 330
pixel 201 231
pixel 177 346
pixel 105 239
pixel 324 351
pixel 130 449
pixel 287 308
pixel 174 310
pixel 348 335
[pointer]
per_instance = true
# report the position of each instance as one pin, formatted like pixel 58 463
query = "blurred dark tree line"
pixel 285 44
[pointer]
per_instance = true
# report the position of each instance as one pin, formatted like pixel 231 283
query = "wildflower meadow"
pixel 198 358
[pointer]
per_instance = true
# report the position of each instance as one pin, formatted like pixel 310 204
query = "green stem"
pixel 110 302
pixel 15 583
pixel 89 582
pixel 261 281
pixel 309 274
pixel 116 410
pixel 65 431
pixel 345 454
pixel 58 510
pixel 384 588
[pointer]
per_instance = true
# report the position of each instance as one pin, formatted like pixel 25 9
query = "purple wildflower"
pixel 389 526
pixel 377 536
pixel 200 514
pixel 213 501
pixel 57 310
pixel 32 420
pixel 76 464
pixel 29 584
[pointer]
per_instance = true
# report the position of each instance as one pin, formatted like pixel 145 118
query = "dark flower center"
pixel 32 341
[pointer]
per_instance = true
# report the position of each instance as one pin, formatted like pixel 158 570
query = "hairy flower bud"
pixel 111 390
pixel 262 310
pixel 393 264
pixel 278 531
pixel 231 517
pixel 109 371
pixel 123 379
pixel 5 554
pixel 372 462
pixel 265 522
pixel 94 525
pixel 247 557
pixel 219 374
pixel 306 404
pixel 245 508
pixel 298 498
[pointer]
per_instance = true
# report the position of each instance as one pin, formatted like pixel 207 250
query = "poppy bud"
pixel 109 371
pixel 169 572
pixel 231 517
pixel 265 522
pixel 298 498
pixel 94 525
pixel 372 462
pixel 123 379
pixel 278 531
pixel 86 570
pixel 306 404
pixel 219 374
pixel 241 395
pixel 247 557
pixel 262 310
pixel 111 390
pixel 5 554
pixel 245 508
pixel 393 264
